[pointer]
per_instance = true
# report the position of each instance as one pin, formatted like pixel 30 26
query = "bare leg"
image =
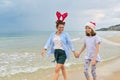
pixel 88 78
pixel 57 70
pixel 94 79
pixel 64 72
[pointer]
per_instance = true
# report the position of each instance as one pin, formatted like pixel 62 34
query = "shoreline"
pixel 75 71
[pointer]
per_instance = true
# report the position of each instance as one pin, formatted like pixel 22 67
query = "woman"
pixel 59 43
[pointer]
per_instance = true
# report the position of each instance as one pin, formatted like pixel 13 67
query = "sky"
pixel 39 15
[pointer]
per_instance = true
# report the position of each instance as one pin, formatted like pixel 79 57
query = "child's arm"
pixel 96 53
pixel 83 48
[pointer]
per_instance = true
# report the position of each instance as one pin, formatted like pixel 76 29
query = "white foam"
pixel 75 39
pixel 68 64
pixel 5 72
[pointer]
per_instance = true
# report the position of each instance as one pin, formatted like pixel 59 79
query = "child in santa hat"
pixel 91 44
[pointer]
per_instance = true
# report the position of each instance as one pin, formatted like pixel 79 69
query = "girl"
pixel 91 44
pixel 59 42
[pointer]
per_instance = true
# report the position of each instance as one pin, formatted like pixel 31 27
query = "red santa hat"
pixel 91 24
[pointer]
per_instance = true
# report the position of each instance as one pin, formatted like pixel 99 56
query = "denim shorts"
pixel 60 56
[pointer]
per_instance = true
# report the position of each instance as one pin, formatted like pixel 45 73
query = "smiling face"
pixel 89 31
pixel 60 27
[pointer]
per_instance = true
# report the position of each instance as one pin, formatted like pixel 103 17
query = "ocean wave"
pixel 4 70
pixel 75 39
pixel 103 40
pixel 12 63
pixel 15 69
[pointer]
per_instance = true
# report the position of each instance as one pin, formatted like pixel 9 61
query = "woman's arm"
pixel 48 43
pixel 69 43
pixel 43 51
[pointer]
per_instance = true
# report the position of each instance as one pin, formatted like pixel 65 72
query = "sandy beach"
pixel 114 39
pixel 108 70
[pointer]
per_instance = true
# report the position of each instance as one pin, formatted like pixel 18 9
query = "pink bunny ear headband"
pixel 59 15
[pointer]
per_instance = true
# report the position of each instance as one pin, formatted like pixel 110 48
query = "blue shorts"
pixel 60 56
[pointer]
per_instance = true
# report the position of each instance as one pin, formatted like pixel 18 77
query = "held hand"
pixel 76 55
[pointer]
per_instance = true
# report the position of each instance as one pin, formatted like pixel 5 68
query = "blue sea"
pixel 20 52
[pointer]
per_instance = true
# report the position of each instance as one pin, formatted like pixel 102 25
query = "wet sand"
pixel 114 39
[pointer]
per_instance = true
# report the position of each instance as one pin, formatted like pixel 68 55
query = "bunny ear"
pixel 64 16
pixel 58 14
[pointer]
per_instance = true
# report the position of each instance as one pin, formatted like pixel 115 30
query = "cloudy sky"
pixel 39 15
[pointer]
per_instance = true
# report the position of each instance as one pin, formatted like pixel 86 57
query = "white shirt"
pixel 90 43
pixel 57 42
